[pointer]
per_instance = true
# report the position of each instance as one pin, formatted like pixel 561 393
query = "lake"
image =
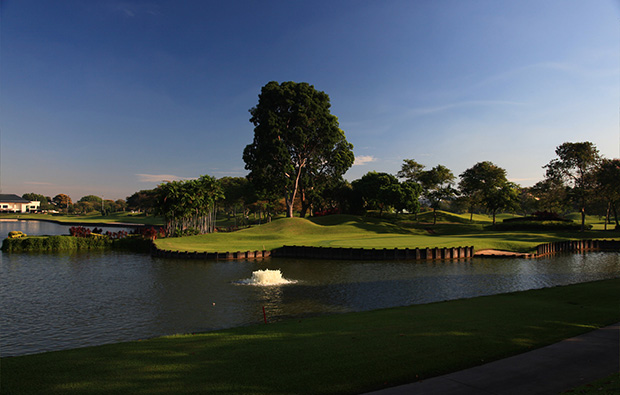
pixel 66 300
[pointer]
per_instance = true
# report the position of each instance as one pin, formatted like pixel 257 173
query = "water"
pixel 67 300
pixel 40 228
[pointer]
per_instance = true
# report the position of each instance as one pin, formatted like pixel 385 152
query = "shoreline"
pixel 85 224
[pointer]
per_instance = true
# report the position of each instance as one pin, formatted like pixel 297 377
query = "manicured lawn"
pixel 365 232
pixel 91 218
pixel 348 353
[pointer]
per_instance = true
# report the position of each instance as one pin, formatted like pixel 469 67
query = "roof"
pixel 12 199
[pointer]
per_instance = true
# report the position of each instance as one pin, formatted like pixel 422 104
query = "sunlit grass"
pixel 368 232
pixel 93 218
pixel 346 353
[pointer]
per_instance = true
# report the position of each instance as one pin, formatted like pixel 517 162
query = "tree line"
pixel 299 155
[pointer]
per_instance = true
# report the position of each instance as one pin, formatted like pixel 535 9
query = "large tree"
pixel 575 166
pixel 297 141
pixel 486 183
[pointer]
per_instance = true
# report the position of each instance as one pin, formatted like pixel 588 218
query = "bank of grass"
pixel 72 243
pixel 94 218
pixel 452 230
pixel 345 354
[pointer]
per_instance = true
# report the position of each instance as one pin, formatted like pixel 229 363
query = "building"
pixel 16 204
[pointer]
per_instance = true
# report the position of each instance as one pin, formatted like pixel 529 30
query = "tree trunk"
pixel 583 219
pixel 305 205
pixel 434 216
pixel 607 214
pixel 289 208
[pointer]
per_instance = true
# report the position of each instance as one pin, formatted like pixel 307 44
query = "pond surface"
pixel 40 228
pixel 67 300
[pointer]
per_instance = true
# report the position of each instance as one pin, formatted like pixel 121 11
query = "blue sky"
pixel 111 97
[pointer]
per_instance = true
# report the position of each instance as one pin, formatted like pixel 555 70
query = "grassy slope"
pixel 91 218
pixel 346 353
pixel 363 232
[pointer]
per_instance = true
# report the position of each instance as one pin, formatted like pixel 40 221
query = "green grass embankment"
pixel 71 243
pixel 346 353
pixel 94 219
pixel 367 232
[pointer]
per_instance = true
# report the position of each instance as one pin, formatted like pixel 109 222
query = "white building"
pixel 16 204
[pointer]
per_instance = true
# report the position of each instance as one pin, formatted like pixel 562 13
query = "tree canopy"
pixel 188 206
pixel 486 183
pixel 575 166
pixel 608 185
pixel 298 144
pixel 437 186
pixel 382 191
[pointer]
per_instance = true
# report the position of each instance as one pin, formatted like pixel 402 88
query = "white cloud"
pixel 364 159
pixel 159 177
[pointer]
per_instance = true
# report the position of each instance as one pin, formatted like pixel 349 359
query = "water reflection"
pixel 62 300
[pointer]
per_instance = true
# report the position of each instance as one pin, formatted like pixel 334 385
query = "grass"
pixel 453 230
pixel 346 353
pixel 607 386
pixel 95 218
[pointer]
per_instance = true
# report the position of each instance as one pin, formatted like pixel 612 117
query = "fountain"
pixel 266 277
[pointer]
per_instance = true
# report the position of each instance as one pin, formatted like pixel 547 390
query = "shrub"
pixel 16 234
pixel 79 231
pixel 540 225
pixel 55 243
pixel 134 243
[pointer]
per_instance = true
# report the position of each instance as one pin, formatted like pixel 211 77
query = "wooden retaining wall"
pixel 373 254
pixel 327 253
pixel 217 256
pixel 577 246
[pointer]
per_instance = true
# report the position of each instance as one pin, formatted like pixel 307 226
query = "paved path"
pixel 548 370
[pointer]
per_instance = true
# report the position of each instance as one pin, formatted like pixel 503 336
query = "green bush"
pixel 54 243
pixel 71 243
pixel 133 243
pixel 540 225
pixel 16 234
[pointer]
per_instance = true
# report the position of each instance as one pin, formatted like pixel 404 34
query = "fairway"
pixel 368 232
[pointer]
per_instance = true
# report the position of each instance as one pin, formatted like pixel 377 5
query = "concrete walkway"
pixel 548 370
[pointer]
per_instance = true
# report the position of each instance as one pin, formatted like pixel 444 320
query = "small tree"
pixel 143 200
pixel 486 184
pixel 437 187
pixel 62 201
pixel 377 190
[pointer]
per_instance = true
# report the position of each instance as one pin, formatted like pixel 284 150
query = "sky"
pixel 111 97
